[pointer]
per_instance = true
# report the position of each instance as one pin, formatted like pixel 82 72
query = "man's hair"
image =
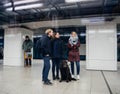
pixel 26 36
pixel 48 31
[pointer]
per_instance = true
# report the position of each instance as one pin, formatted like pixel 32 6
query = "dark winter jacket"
pixel 27 45
pixel 57 48
pixel 74 54
pixel 46 45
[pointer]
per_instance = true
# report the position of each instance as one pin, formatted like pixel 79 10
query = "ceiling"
pixel 56 9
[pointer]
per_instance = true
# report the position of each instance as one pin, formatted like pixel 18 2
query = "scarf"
pixel 73 40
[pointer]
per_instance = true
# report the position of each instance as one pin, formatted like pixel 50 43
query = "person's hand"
pixel 47 55
pixel 74 46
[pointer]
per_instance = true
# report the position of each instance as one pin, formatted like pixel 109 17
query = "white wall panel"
pixel 101 47
pixel 13 39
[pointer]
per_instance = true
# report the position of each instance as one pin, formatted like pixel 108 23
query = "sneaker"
pixel 73 76
pixel 50 83
pixel 47 79
pixel 78 77
pixel 47 83
pixel 73 79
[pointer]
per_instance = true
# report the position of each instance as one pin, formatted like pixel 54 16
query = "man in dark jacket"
pixel 46 53
pixel 27 46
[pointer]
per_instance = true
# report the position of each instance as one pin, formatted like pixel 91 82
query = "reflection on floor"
pixel 20 80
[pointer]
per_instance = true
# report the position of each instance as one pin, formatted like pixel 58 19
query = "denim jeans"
pixel 46 68
pixel 77 67
pixel 55 67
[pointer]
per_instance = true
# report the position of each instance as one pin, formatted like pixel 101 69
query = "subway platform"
pixel 20 80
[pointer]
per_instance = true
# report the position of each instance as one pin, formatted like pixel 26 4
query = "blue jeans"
pixel 77 67
pixel 55 67
pixel 46 68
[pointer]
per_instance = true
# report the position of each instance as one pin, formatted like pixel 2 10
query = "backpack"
pixel 38 45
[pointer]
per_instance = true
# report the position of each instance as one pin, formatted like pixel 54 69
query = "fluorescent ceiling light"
pixel 24 2
pixel 28 6
pixel 20 2
pixel 72 1
pixel 9 9
pixel 8 4
pixel 25 7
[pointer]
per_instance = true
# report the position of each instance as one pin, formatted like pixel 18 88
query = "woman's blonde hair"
pixel 73 32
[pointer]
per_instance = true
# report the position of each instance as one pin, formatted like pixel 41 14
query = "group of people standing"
pixel 52 48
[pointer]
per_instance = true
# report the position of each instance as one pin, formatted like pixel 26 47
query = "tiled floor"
pixel 20 80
